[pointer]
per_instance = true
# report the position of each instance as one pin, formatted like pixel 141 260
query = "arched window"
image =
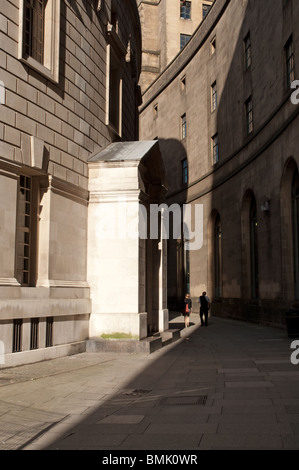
pixel 253 224
pixel 295 217
pixel 217 258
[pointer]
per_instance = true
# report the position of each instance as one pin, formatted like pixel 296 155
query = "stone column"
pixel 116 281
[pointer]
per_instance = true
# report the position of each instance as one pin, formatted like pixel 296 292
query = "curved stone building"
pixel 229 136
pixel 167 26
pixel 68 89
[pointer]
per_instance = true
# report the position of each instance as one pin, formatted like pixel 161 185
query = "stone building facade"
pixel 68 90
pixel 229 136
pixel 167 26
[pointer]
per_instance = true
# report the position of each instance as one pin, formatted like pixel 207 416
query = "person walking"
pixel 188 310
pixel 204 308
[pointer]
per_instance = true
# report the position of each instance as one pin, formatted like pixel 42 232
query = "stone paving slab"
pixel 109 401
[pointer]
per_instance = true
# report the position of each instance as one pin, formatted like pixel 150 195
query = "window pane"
pixel 184 38
pixel 205 10
pixel 249 116
pixel 185 171
pixel 289 53
pixel 23 230
pixel 247 46
pixel 185 10
pixel 215 149
pixel 184 126
pixel 214 96
pixel 34 29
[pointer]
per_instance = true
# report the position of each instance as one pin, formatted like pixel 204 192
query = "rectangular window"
pixel 205 9
pixel 185 171
pixel 214 96
pixel 114 19
pixel 290 65
pixel 247 51
pixel 183 126
pixel 34 29
pixel 249 116
pixel 114 90
pixel 23 230
pixel 49 331
pixel 26 230
pixel 39 36
pixel 184 38
pixel 215 149
pixel 34 333
pixel 17 335
pixel 185 10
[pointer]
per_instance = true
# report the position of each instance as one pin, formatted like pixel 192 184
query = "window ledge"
pixel 52 75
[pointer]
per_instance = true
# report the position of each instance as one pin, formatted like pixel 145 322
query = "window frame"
pixel 215 149
pixel 184 39
pixel 27 232
pixel 115 55
pixel 249 116
pixel 206 7
pixel 51 41
pixel 184 171
pixel 247 51
pixel 185 11
pixel 183 126
pixel 289 61
pixel 114 91
pixel 214 97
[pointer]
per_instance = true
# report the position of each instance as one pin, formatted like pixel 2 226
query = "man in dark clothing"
pixel 204 308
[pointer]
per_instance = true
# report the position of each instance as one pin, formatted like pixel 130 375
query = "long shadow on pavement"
pixel 228 386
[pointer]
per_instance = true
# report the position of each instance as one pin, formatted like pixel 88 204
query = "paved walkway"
pixel 228 386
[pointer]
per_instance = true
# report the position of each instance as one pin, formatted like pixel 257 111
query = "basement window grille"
pixel 34 333
pixel 17 335
pixel 49 332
